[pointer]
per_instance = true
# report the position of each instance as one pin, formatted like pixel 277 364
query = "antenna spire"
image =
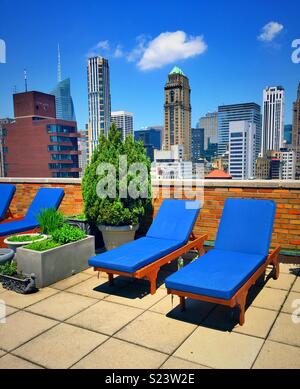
pixel 25 80
pixel 58 64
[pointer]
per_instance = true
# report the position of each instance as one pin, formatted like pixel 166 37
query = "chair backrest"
pixel 175 220
pixel 45 198
pixel 6 194
pixel 246 226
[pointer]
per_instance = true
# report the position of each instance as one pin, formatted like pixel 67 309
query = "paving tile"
pixel 178 363
pixel 71 281
pixel 2 353
pixel 105 317
pixel 137 295
pixel 285 330
pixel 289 268
pixel 258 321
pixel 219 349
pixel 195 311
pixel 296 286
pixel 12 362
pixel 21 327
pixel 116 354
pixel 24 300
pixel 270 298
pixel 90 271
pixel 284 282
pixel 8 311
pixel 275 355
pixel 156 331
pixel 60 347
pixel 96 287
pixel 61 306
pixel 290 304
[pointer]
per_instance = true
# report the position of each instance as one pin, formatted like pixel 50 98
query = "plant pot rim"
pixel 20 243
pixel 130 227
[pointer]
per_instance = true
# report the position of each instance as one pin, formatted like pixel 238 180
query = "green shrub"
pixel 49 220
pixel 115 211
pixel 80 217
pixel 24 238
pixel 67 234
pixel 8 269
pixel 43 245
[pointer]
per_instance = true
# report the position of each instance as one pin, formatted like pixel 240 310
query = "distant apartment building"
pixel 210 124
pixel 3 124
pixel 263 168
pixel 151 138
pixel 296 131
pixel 170 164
pixel 99 101
pixel 177 112
pixel 287 160
pixel 273 119
pixel 83 147
pixel 37 144
pixel 197 141
pixel 277 165
pixel 124 122
pixel 242 150
pixel 288 135
pixel 250 112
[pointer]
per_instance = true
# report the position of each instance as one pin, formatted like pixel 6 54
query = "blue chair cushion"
pixel 174 220
pixel 6 194
pixel 216 274
pixel 45 198
pixel 134 255
pixel 246 226
pixel 17 226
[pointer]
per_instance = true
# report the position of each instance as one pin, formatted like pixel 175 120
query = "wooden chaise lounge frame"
pixel 150 271
pixel 240 297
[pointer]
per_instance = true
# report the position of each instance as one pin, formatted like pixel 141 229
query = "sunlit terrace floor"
pixel 81 322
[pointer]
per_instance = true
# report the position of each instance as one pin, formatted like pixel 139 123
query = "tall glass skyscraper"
pixel 98 99
pixel 250 112
pixel 63 101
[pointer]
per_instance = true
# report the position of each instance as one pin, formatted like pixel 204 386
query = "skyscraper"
pixel 242 150
pixel 63 99
pixel 98 99
pixel 273 116
pixel 296 131
pixel 151 138
pixel 237 112
pixel 210 124
pixel 123 121
pixel 197 143
pixel 177 129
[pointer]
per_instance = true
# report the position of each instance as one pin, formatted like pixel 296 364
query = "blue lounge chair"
pixel 45 198
pixel 7 192
pixel 241 255
pixel 165 241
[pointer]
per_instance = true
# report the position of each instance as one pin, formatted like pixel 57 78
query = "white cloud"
pixel 118 53
pixel 270 31
pixel 104 45
pixel 137 52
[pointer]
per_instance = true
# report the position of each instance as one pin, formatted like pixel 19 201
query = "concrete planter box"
pixel 56 264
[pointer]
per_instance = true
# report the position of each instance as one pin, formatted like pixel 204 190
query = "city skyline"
pixel 245 55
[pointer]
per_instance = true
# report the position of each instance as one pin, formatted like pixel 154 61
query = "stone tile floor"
pixel 82 322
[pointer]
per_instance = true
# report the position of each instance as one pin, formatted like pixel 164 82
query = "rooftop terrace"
pixel 82 322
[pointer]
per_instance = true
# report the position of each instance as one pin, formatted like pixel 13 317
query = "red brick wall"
pixel 287 223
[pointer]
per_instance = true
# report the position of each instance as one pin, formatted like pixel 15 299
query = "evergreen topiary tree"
pixel 116 209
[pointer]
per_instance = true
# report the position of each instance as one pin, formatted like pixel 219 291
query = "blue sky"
pixel 217 47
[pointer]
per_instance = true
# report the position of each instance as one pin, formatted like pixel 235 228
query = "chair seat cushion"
pixel 17 226
pixel 134 255
pixel 217 274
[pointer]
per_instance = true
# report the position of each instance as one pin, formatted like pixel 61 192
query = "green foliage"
pixel 80 217
pixel 67 234
pixel 24 238
pixel 8 269
pixel 115 211
pixel 43 245
pixel 49 220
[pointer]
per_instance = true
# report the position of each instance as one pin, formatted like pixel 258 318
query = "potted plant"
pixel 15 241
pixel 61 255
pixel 18 282
pixel 117 216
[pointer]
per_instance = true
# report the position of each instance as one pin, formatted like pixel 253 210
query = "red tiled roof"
pixel 219 174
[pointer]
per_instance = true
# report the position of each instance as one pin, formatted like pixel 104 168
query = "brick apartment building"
pixel 36 143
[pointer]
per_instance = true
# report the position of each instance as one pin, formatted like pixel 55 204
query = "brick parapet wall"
pixel 286 194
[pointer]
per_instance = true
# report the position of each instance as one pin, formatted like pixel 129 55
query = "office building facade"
pixel 124 122
pixel 151 138
pixel 63 101
pixel 99 101
pixel 210 124
pixel 197 140
pixel 177 112
pixel 296 132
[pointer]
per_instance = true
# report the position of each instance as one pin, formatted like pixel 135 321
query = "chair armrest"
pixel 274 252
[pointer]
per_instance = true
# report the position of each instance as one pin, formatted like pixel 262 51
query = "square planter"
pixel 56 264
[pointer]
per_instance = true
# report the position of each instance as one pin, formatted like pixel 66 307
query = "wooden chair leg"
pixel 241 302
pixel 152 277
pixel 275 269
pixel 110 279
pixel 182 303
